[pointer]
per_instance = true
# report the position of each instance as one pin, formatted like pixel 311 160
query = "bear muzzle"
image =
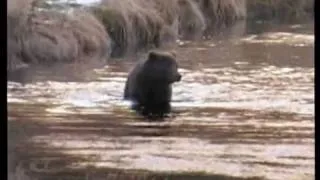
pixel 178 77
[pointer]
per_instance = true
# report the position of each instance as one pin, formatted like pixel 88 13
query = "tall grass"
pixel 192 22
pixel 138 24
pixel 131 24
pixel 219 12
pixel 48 36
pixel 123 27
pixel 117 27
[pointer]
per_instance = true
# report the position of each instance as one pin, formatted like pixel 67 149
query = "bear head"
pixel 162 67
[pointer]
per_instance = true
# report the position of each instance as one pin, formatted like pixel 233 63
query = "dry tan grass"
pixel 131 24
pixel 192 22
pixel 143 23
pixel 51 36
pixel 219 12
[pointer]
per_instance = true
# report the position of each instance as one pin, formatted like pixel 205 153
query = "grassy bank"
pixel 124 27
pixel 47 36
pixel 138 24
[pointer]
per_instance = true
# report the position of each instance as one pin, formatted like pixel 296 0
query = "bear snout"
pixel 178 77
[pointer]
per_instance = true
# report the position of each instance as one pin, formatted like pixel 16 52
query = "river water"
pixel 244 108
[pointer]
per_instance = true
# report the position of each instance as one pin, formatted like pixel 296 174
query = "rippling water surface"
pixel 244 108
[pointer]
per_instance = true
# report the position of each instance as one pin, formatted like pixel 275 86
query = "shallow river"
pixel 244 108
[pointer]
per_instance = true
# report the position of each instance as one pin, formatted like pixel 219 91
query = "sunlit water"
pixel 244 107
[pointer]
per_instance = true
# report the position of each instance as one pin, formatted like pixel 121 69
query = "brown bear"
pixel 149 84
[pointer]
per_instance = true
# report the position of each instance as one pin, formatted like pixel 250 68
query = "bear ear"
pixel 152 55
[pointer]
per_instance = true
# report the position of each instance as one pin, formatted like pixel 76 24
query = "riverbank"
pixel 40 32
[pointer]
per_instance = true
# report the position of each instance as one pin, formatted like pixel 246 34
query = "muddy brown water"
pixel 244 108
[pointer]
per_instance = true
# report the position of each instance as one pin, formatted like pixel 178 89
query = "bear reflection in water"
pixel 149 83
